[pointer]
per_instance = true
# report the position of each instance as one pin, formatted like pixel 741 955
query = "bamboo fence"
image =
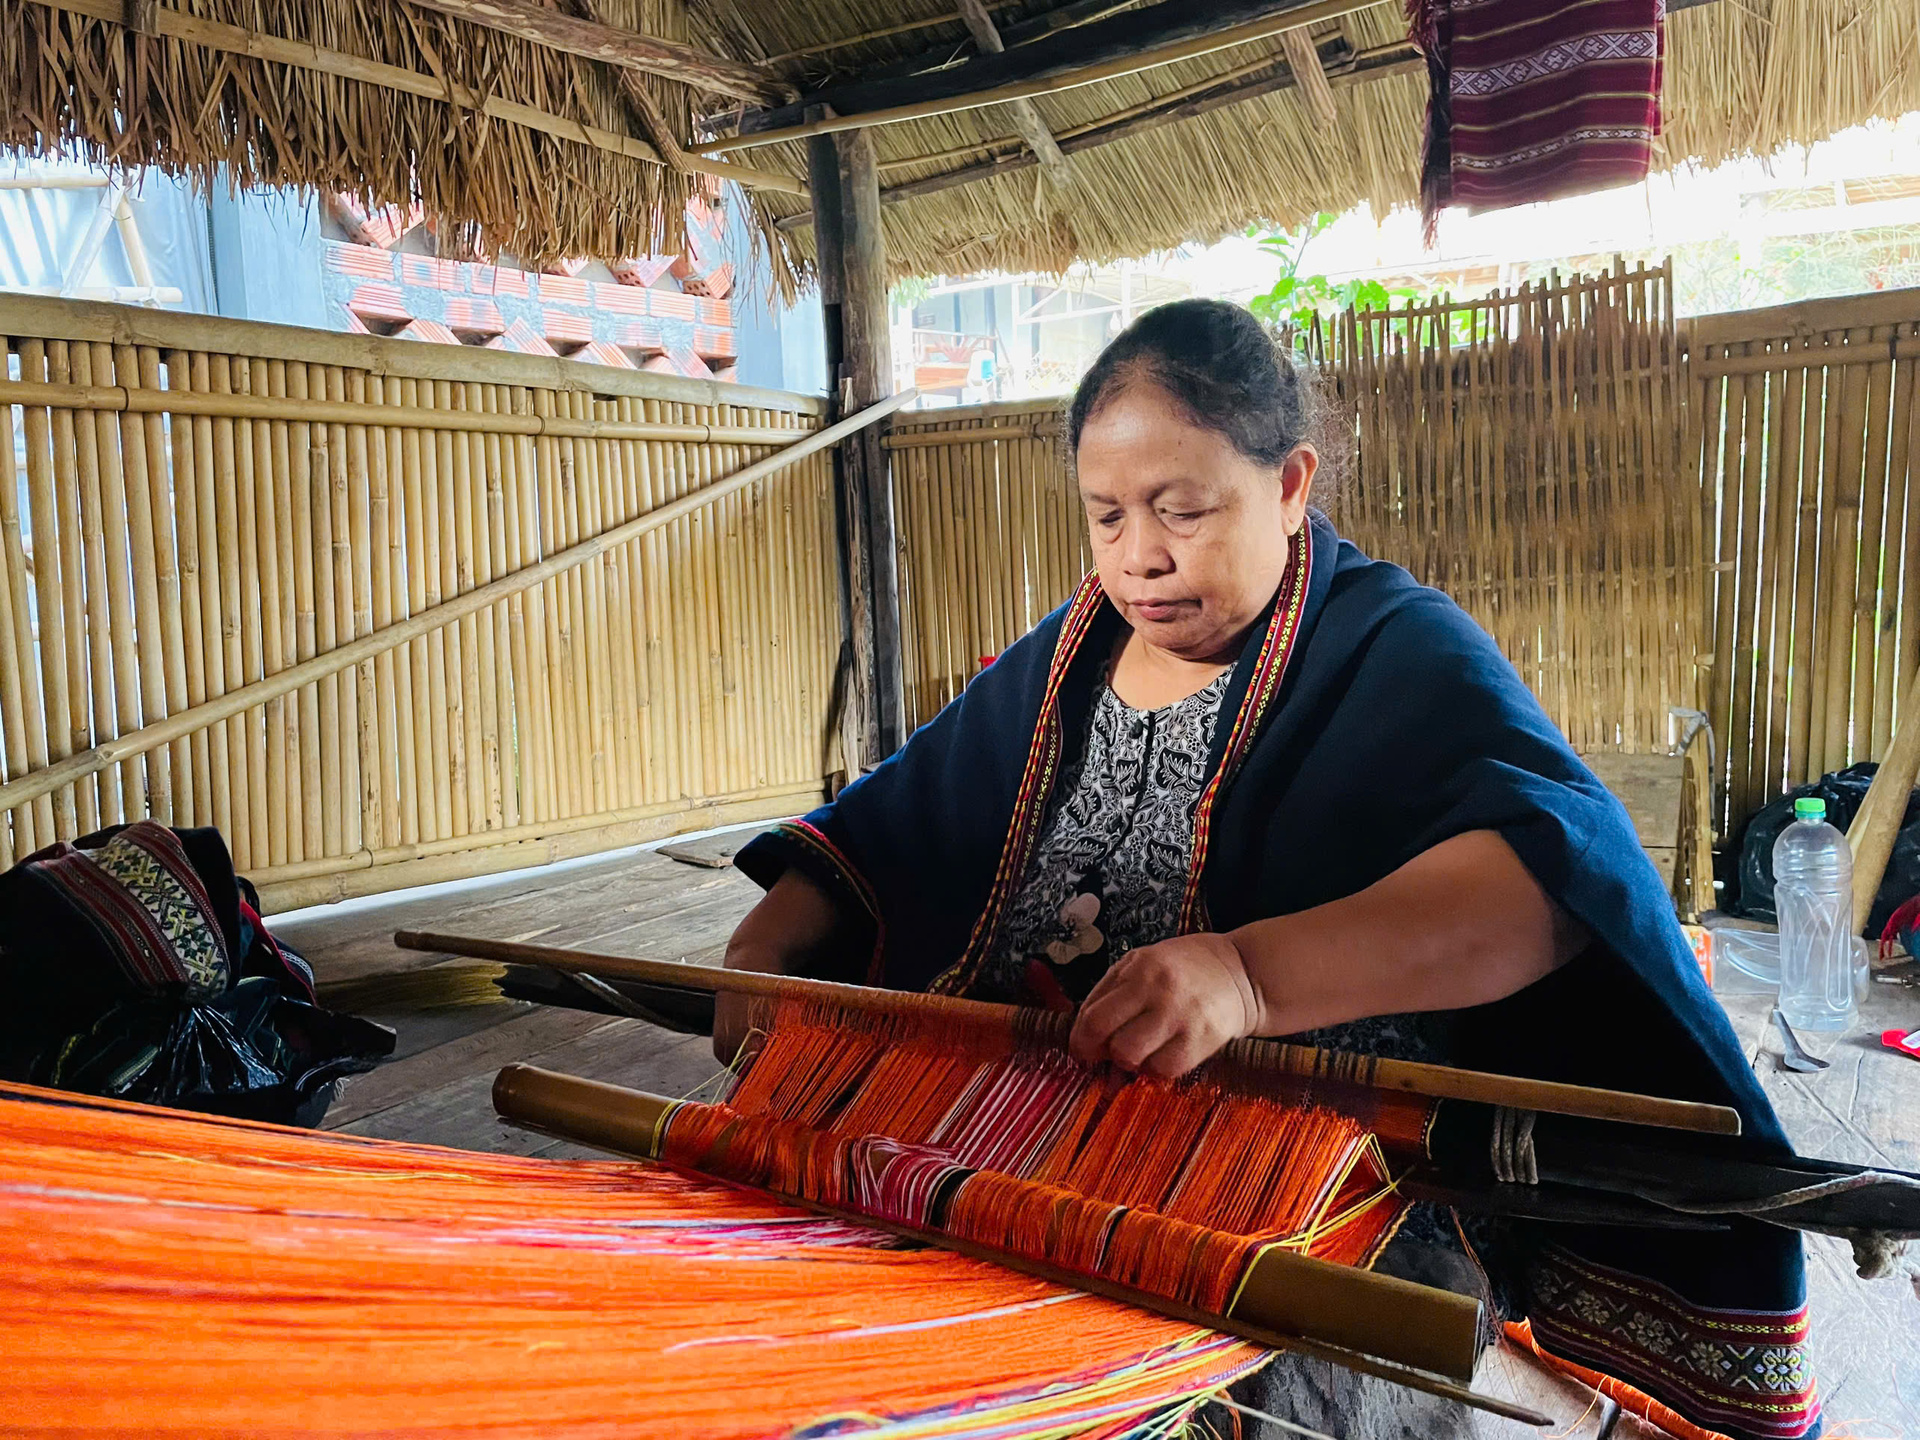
pixel 1523 453
pixel 1808 443
pixel 991 537
pixel 190 506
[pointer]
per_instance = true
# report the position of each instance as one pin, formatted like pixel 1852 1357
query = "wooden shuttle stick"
pixel 1438 1081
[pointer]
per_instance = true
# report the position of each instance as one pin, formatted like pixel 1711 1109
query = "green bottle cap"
pixel 1809 807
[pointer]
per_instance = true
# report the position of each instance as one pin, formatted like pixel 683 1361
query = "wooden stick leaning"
pixel 1877 825
pixel 343 656
pixel 1438 1081
pixel 1341 1306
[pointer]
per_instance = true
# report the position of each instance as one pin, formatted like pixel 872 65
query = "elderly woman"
pixel 1248 782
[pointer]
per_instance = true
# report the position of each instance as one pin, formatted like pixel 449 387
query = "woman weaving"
pixel 1248 782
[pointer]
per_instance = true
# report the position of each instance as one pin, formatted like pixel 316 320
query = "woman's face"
pixel 1189 535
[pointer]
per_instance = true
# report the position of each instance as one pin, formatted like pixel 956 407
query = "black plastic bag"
pixel 1844 791
pixel 134 964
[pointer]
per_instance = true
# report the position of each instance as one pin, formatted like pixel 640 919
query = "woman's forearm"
pixel 1462 924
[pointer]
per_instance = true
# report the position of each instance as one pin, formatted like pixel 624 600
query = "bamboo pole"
pixel 260 563
pixel 101 799
pixel 163 480
pixel 282 633
pixel 1437 1081
pixel 353 651
pixel 302 443
pixel 391 604
pixel 49 601
pixel 1850 427
pixel 23 713
pixel 1874 625
pixel 230 405
pixel 509 665
pixel 141 481
pixel 470 809
pixel 461 858
pixel 212 631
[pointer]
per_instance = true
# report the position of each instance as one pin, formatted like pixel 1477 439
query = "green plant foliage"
pixel 1295 299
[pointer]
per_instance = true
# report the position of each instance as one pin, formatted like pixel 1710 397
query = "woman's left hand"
pixel 1164 1008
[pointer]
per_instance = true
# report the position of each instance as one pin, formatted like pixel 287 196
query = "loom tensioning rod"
pixel 1340 1298
pixel 1440 1082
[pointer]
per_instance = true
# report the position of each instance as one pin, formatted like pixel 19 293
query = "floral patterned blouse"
pixel 1109 871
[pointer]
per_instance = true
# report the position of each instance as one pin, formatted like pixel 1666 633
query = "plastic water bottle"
pixel 1813 893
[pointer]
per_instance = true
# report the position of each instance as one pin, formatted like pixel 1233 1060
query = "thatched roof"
pixel 1745 76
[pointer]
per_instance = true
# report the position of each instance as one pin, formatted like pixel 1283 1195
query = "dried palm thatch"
pixel 77 82
pixel 1746 76
pixel 466 136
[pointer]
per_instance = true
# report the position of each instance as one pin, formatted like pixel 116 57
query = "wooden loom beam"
pixel 1437 1081
pixel 1372 1323
pixel 628 49
pixel 1105 50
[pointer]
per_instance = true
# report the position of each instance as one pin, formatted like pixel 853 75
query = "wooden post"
pixel 851 258
pixel 868 370
pixel 823 181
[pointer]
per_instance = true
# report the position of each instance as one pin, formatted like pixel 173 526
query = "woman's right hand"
pixel 793 922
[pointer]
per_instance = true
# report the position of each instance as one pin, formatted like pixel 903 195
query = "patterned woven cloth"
pixel 1532 101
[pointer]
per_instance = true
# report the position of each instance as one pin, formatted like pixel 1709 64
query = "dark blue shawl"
pixel 1374 720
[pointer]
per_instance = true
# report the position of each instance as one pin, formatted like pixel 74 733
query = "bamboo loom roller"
pixel 1438 1081
pixel 1285 1297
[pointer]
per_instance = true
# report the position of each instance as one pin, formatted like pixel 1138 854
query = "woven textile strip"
pixel 1036 787
pixel 1276 648
pixel 1532 101
pixel 143 898
pixel 1745 1369
pixel 176 1275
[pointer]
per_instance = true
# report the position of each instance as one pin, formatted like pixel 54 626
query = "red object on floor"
pixel 1905 1041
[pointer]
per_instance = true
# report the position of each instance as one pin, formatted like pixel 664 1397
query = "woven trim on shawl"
pixel 144 899
pixel 1275 651
pixel 806 836
pixel 1744 1370
pixel 1036 786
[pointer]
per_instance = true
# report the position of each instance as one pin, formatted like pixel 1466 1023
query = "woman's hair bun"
pixel 1220 366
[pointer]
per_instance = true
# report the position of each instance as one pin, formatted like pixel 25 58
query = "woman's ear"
pixel 1296 484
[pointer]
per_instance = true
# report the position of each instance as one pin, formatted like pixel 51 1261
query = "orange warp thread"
pixel 179 1276
pixel 1173 1188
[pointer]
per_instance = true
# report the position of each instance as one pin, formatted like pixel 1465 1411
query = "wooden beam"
pixel 1268 77
pixel 1304 61
pixel 904 27
pixel 1026 118
pixel 232 40
pixel 1103 50
pixel 592 40
pixel 1020 32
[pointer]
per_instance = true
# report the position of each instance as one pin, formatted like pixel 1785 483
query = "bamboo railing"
pixel 191 507
pixel 1809 442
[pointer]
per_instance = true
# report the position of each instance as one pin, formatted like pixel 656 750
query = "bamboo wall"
pixel 189 506
pixel 1809 444
pixel 991 536
pixel 1523 453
